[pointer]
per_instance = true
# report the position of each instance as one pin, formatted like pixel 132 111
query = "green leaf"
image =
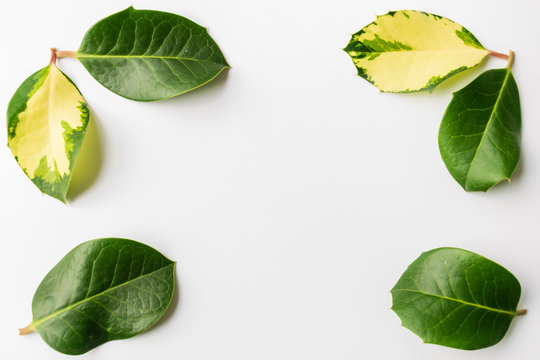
pixel 149 55
pixel 480 132
pixel 46 122
pixel 456 298
pixel 102 290
pixel 407 51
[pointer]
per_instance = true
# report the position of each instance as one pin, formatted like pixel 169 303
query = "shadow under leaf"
pixel 88 162
pixel 213 86
pixel 458 81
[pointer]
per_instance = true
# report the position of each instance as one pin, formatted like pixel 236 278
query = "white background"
pixel 291 193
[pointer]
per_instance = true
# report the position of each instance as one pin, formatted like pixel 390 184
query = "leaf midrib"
pixel 35 324
pixel 88 56
pixel 49 110
pixel 495 106
pixel 417 50
pixel 488 308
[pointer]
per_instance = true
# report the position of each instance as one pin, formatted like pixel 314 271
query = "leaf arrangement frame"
pixel 410 51
pixel 447 296
pixel 142 55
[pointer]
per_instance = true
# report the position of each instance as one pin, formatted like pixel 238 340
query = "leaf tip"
pixel 59 197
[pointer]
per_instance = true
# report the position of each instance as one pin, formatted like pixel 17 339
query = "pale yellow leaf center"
pixel 40 131
pixel 433 50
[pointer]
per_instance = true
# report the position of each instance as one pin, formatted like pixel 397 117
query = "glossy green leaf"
pixel 480 132
pixel 46 121
pixel 102 290
pixel 149 55
pixel 456 298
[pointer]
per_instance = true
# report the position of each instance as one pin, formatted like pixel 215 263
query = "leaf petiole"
pixel 521 312
pixel 498 55
pixel 27 330
pixel 53 57
pixel 510 60
pixel 64 54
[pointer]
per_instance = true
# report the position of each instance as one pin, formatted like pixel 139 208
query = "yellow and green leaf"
pixel 46 119
pixel 409 51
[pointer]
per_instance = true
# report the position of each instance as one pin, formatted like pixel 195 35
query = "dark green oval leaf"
pixel 102 290
pixel 456 298
pixel 480 132
pixel 150 55
pixel 46 120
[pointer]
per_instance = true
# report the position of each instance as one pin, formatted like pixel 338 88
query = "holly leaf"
pixel 408 51
pixel 456 298
pixel 102 290
pixel 46 119
pixel 147 55
pixel 480 132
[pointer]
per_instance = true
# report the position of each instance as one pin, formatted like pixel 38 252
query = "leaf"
pixel 149 55
pixel 480 132
pixel 408 51
pixel 102 290
pixel 46 119
pixel 456 298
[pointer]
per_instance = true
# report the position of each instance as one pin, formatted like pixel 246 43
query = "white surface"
pixel 292 194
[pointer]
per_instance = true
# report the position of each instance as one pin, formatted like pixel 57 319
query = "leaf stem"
pixel 499 55
pixel 53 57
pixel 521 312
pixel 63 54
pixel 26 330
pixel 510 59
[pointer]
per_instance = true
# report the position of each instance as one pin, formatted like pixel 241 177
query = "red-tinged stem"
pixel 63 54
pixel 53 57
pixel 26 330
pixel 499 55
pixel 510 60
pixel 521 312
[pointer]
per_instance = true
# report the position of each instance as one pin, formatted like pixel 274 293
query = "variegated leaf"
pixel 46 120
pixel 409 51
